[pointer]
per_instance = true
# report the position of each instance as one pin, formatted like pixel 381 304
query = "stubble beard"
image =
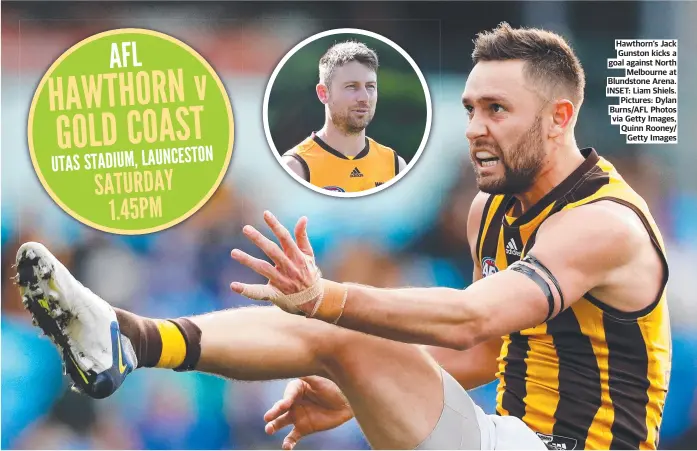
pixel 522 163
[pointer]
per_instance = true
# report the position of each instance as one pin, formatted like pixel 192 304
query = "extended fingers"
pixel 279 423
pixel 293 391
pixel 269 247
pixel 256 292
pixel 279 408
pixel 284 237
pixel 292 439
pixel 302 238
pixel 259 266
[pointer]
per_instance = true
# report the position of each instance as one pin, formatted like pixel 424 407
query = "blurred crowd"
pixel 413 234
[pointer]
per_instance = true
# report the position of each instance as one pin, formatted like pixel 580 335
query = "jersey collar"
pixel 338 154
pixel 557 192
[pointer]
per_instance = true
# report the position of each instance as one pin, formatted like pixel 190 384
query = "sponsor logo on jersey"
pixel 356 173
pixel 512 249
pixel 557 441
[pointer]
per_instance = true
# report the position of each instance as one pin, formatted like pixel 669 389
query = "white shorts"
pixel 464 425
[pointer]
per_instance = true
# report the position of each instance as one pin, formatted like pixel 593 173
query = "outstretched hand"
pixel 310 404
pixel 294 272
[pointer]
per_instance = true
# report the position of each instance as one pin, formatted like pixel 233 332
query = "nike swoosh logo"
pixel 122 367
pixel 79 370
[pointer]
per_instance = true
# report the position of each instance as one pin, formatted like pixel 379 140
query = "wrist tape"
pixel 329 298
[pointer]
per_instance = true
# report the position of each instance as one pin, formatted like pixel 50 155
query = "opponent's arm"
pixel 581 249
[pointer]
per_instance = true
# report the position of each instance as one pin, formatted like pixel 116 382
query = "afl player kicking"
pixel 568 309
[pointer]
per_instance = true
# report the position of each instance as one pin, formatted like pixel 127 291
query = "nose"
pixel 362 94
pixel 476 128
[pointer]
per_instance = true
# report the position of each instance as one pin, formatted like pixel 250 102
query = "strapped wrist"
pixel 332 303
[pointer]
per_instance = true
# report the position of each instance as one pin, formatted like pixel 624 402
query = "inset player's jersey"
pixel 331 170
pixel 592 377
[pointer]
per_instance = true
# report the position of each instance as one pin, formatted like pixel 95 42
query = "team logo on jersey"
pixel 338 189
pixel 557 441
pixel 489 266
pixel 512 249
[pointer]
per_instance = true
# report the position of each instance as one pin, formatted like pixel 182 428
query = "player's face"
pixel 352 97
pixel 507 146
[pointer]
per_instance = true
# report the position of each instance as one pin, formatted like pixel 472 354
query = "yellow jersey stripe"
pixel 658 377
pixel 592 326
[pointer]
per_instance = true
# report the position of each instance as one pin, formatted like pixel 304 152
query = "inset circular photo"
pixel 347 112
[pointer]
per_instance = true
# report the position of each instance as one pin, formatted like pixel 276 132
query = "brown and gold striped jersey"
pixel 592 377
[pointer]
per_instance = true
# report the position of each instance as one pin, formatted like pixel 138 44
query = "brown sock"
pixel 173 343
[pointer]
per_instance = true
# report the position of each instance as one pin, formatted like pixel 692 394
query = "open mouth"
pixel 486 159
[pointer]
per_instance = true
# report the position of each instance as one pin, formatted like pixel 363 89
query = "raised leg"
pixel 394 389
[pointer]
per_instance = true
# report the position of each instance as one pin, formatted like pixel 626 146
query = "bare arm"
pixel 604 244
pixel 478 365
pixel 295 166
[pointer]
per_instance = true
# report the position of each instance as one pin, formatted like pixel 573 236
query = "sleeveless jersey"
pixel 331 170
pixel 592 377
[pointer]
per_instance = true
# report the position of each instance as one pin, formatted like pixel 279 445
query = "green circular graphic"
pixel 130 131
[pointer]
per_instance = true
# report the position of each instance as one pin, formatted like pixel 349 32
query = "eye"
pixel 470 109
pixel 497 108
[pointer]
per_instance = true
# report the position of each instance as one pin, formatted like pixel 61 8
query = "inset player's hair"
pixel 550 61
pixel 343 53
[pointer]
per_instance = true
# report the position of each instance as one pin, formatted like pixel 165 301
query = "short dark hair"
pixel 344 53
pixel 549 58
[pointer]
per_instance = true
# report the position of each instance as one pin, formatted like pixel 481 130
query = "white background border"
pixel 424 85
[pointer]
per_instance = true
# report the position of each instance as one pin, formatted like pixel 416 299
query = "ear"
pixel 562 115
pixel 322 93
